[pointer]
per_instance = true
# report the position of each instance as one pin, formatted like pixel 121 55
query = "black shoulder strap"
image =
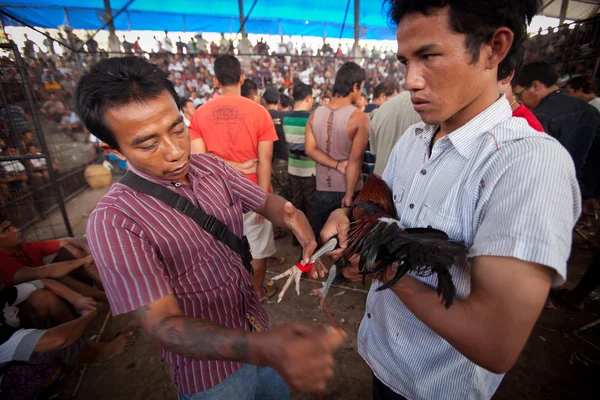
pixel 206 221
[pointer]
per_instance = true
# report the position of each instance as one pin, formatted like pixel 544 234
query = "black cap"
pixel 271 95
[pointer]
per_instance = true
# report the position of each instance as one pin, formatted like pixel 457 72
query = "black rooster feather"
pixel 376 234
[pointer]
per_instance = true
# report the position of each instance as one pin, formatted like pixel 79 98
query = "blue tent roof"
pixel 287 17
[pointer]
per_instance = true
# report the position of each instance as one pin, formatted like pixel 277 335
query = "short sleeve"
pixel 194 128
pixel 267 132
pixel 529 205
pixel 20 345
pixel 244 190
pixel 24 290
pixel 44 247
pixel 130 268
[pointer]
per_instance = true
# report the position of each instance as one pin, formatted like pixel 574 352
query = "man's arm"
pixel 492 325
pixel 311 149
pixel 263 169
pixel 80 302
pixel 77 243
pixel 56 270
pixel 359 122
pixel 301 354
pixel 247 167
pixel 65 334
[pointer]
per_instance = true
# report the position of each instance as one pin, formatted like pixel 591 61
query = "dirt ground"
pixel 556 363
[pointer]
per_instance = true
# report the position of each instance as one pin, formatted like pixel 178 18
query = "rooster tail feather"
pixel 400 272
pixel 445 286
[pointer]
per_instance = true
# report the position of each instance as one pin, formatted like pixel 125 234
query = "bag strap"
pixel 206 221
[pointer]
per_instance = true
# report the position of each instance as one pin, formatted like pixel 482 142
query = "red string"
pixel 326 311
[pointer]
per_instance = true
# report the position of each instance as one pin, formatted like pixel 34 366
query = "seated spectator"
pixel 582 87
pixel 53 108
pixel 195 99
pixel 13 175
pixel 14 119
pixel 23 262
pixel 27 139
pixel 39 168
pixel 69 123
pixel 63 342
pixel 325 101
pixel 361 102
pixel 180 88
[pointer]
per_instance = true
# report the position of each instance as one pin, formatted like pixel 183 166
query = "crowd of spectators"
pixel 571 48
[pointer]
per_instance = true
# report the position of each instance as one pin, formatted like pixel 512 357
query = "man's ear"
pixel 537 85
pixel 501 42
pixel 108 149
pixel 216 83
pixel 242 79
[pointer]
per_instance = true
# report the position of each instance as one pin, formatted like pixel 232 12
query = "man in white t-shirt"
pixel 167 45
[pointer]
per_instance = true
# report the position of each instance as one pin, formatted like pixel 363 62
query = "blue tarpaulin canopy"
pixel 322 18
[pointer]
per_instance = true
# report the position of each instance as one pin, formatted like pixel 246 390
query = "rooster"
pixel 377 236
pixel 381 242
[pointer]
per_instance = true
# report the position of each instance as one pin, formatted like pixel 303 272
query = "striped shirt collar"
pixel 196 171
pixel 464 138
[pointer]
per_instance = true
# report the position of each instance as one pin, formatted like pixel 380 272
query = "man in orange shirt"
pixel 242 133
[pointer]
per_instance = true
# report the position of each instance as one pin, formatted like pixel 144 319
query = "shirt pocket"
pixel 441 219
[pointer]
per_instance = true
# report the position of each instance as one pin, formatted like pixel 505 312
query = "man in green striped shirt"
pixel 301 168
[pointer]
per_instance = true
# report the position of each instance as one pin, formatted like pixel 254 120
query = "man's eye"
pixel 428 57
pixel 179 132
pixel 149 147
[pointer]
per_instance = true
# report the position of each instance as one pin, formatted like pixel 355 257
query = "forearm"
pixel 477 332
pixel 61 290
pixel 272 209
pixel 60 269
pixel 65 334
pixel 322 158
pixel 353 171
pixel 204 340
pixel 263 170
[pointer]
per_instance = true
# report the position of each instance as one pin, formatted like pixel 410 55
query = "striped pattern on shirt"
pixel 494 184
pixel 294 127
pixel 145 250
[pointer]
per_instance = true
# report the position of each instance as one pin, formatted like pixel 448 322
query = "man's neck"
pixel 10 249
pixel 339 102
pixel 469 111
pixel 589 97
pixel 545 92
pixel 301 106
pixel 235 90
pixel 271 107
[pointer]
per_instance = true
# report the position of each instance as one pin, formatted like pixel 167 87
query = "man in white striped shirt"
pixel 489 181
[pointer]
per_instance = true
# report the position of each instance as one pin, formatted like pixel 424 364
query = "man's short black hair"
pixel 348 75
pixel 386 87
pixel 582 82
pixel 537 71
pixel 478 19
pixel 228 70
pixel 286 101
pixel 301 91
pixel 115 82
pixel 249 88
pixel 183 102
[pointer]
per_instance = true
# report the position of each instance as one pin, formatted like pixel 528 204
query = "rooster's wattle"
pixel 377 236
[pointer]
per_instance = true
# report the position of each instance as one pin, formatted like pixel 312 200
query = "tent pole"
pixel 356 28
pixel 242 27
pixel 563 11
pixel 67 19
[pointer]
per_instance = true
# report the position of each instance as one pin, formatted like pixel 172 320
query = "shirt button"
pixel 411 206
pixel 369 315
pixel 177 184
pixel 423 171
pixel 395 197
pixel 428 226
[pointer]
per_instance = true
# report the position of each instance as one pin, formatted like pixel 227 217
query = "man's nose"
pixel 414 79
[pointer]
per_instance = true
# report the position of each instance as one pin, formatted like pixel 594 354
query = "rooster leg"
pixel 294 275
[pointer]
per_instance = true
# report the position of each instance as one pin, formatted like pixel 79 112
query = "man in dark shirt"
pixel 383 92
pixel 279 174
pixel 573 122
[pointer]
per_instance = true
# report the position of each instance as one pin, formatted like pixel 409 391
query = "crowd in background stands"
pixel 569 47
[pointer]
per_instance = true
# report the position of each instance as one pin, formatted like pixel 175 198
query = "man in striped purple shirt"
pixel 190 292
